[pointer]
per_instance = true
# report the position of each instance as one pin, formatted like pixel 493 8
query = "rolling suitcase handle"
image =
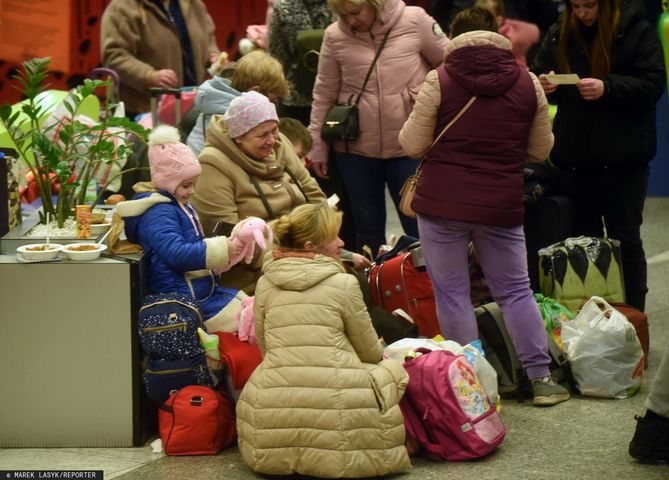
pixel 155 93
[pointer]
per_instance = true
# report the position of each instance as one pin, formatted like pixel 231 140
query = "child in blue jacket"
pixel 180 259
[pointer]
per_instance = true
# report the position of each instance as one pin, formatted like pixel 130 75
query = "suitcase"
pixel 402 282
pixel 640 322
pixel 547 222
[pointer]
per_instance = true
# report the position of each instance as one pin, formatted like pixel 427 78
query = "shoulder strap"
pixel 441 134
pixel 261 194
pixel 371 67
pixel 297 183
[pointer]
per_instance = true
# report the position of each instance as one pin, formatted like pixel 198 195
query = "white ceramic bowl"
pixel 99 228
pixel 83 251
pixel 35 252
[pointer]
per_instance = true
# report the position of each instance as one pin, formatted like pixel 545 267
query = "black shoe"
pixel 651 439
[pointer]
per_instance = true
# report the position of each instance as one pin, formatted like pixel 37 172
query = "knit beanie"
pixel 247 112
pixel 171 162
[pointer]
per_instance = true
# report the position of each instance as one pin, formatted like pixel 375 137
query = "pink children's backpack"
pixel 446 409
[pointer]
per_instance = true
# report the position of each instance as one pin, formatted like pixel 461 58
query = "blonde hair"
pixel 311 222
pixel 258 68
pixel 378 5
pixel 495 6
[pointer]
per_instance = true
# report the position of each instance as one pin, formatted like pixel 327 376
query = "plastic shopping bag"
pixel 605 354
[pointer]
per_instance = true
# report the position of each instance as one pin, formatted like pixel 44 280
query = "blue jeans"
pixel 365 180
pixel 503 259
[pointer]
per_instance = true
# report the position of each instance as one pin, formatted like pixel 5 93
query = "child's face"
pixel 300 150
pixel 186 189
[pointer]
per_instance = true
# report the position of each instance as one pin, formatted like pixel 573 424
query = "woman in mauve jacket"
pixel 414 46
pixel 605 124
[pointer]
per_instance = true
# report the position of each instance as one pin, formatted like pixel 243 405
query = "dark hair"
pixel 470 19
pixel 599 52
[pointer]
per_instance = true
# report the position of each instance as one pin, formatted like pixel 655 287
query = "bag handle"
pixel 441 134
pixel 371 67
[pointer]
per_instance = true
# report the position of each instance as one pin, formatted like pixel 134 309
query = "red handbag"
pixel 196 420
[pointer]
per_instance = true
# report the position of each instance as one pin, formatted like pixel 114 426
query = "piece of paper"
pixel 563 78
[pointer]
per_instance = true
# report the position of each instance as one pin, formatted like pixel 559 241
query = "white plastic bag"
pixel 605 354
pixel 484 371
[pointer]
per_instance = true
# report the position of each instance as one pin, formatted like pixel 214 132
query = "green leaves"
pixel 71 147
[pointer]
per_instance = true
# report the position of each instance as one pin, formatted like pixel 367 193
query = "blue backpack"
pixel 168 325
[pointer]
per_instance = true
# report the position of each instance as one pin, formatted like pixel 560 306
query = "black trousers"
pixel 613 198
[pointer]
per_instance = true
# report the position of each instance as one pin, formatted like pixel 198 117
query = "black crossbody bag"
pixel 342 121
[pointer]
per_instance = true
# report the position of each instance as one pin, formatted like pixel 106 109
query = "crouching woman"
pixel 323 402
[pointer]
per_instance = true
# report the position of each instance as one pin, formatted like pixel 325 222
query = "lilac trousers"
pixel 503 259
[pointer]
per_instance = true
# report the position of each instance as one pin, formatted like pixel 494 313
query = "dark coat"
pixel 618 129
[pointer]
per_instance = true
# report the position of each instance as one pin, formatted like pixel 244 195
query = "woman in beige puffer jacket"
pixel 323 402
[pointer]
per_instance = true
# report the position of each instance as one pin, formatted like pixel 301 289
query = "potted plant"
pixel 68 150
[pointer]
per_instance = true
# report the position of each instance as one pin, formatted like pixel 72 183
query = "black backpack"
pixel 501 353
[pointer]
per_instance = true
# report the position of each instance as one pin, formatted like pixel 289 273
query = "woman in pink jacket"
pixel 415 45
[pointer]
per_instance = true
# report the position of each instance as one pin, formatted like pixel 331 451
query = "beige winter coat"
pixel 225 193
pixel 136 39
pixel 322 402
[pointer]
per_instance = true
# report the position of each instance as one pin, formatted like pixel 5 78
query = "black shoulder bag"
pixel 341 122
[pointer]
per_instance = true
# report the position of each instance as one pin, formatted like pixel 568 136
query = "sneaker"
pixel 651 439
pixel 547 392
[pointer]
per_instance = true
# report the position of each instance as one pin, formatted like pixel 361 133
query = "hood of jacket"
pixel 268 168
pixel 392 11
pixel 482 63
pixel 299 270
pixel 215 95
pixel 132 210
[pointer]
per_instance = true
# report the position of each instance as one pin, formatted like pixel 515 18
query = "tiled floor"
pixel 583 438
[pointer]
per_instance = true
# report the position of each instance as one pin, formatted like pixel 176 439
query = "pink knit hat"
pixel 247 112
pixel 171 162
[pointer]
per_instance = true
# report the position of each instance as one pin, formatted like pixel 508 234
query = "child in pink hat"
pixel 180 258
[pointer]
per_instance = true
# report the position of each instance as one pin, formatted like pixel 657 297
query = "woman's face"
pixel 258 142
pixel 332 247
pixel 587 11
pixel 359 17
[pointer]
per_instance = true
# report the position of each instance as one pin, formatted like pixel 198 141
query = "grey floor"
pixel 582 438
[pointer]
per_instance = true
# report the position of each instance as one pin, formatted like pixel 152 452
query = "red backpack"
pixel 446 409
pixel 196 420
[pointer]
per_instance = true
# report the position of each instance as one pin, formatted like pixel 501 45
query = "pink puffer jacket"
pixel 415 46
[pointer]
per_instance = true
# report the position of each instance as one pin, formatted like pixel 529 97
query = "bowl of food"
pixel 99 228
pixel 84 251
pixel 39 252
